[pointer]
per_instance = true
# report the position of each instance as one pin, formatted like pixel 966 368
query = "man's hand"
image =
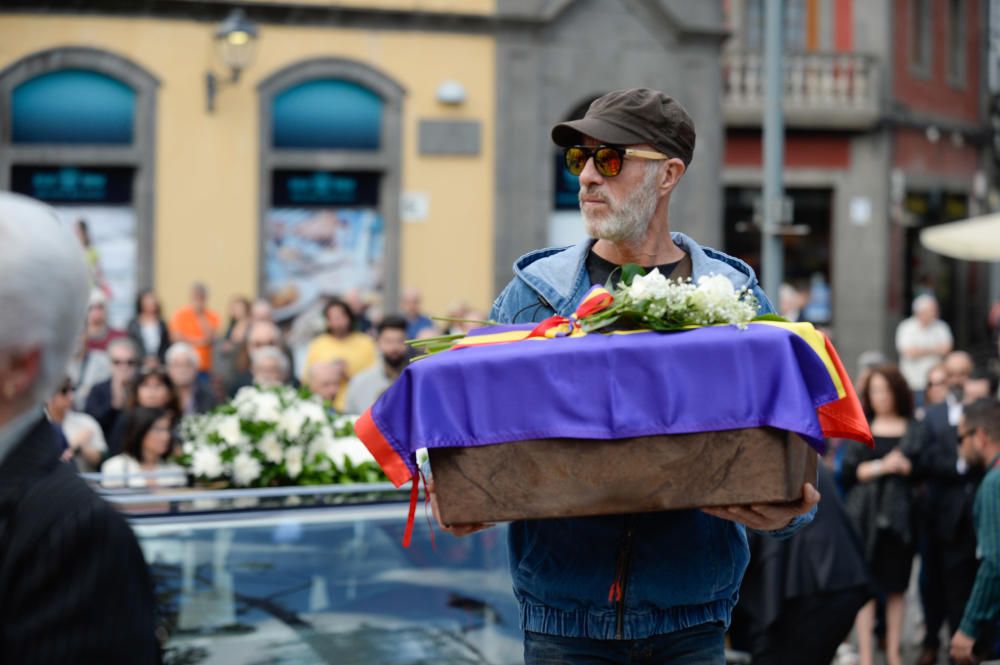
pixel 768 516
pixel 961 648
pixel 458 529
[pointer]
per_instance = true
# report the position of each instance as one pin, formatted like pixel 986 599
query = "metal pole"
pixel 772 244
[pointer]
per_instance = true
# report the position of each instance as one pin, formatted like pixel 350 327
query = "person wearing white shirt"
pixel 146 445
pixel 83 434
pixel 922 342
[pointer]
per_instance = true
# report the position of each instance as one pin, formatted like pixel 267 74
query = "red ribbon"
pixel 410 518
pixel 596 300
pixel 548 324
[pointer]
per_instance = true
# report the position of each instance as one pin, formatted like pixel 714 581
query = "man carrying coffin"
pixel 652 587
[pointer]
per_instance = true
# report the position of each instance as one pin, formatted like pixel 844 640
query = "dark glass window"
pixel 956 42
pixel 795 25
pixel 920 36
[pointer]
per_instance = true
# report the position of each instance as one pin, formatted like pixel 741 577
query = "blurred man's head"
pixel 410 303
pixel 199 296
pixel 325 379
pixel 391 342
pixel 981 384
pixel 261 334
pixel 182 364
pixel 41 320
pixel 790 301
pixel 937 385
pixel 269 367
pixel 925 308
pixel 261 310
pixel 979 432
pixel 355 301
pixel 124 356
pixel 958 366
pixel 61 401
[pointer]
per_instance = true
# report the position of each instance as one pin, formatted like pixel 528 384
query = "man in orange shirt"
pixel 196 325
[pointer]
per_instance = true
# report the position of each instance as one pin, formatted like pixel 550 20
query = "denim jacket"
pixel 621 576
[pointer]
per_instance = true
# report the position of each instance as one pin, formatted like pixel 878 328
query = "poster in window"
pixel 323 236
pixel 99 200
pixel 111 256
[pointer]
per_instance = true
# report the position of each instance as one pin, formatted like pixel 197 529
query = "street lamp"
pixel 235 42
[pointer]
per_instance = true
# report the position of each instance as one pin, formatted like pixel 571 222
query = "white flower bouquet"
pixel 275 436
pixel 654 302
pixel 650 301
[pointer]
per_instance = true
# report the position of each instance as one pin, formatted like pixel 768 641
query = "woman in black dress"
pixel 878 502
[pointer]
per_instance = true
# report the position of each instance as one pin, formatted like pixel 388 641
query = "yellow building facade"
pixel 209 173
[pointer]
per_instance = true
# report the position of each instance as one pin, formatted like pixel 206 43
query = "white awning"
pixel 975 239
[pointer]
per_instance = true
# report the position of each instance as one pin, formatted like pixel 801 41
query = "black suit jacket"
pixel 947 512
pixel 74 587
pixel 99 407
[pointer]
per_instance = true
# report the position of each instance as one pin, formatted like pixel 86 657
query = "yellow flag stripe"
pixel 817 342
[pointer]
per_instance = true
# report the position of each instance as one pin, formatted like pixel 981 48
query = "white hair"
pixel 44 288
pixel 337 363
pixel 272 352
pixel 182 348
pixel 922 301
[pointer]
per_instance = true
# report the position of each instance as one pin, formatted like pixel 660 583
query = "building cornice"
pixel 528 16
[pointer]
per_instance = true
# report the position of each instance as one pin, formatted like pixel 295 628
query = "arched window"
pixel 330 181
pixel 73 107
pixel 327 114
pixel 77 131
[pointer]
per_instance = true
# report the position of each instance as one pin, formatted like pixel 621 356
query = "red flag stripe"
pixel 844 418
pixel 386 456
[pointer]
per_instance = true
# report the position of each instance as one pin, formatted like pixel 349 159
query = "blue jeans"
pixel 698 645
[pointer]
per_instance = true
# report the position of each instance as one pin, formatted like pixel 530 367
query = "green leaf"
pixel 591 324
pixel 430 341
pixel 454 320
pixel 771 317
pixel 630 271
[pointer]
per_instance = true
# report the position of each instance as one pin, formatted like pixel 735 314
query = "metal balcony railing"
pixel 822 90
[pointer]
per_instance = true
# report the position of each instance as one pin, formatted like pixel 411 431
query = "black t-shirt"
pixel 600 269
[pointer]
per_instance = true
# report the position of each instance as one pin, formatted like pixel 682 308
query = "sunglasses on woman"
pixel 608 159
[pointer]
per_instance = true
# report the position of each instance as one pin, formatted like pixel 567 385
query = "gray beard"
pixel 625 223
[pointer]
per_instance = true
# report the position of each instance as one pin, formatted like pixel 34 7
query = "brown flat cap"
pixel 628 117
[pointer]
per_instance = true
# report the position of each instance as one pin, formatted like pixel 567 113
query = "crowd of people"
pixel 910 506
pixel 124 388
